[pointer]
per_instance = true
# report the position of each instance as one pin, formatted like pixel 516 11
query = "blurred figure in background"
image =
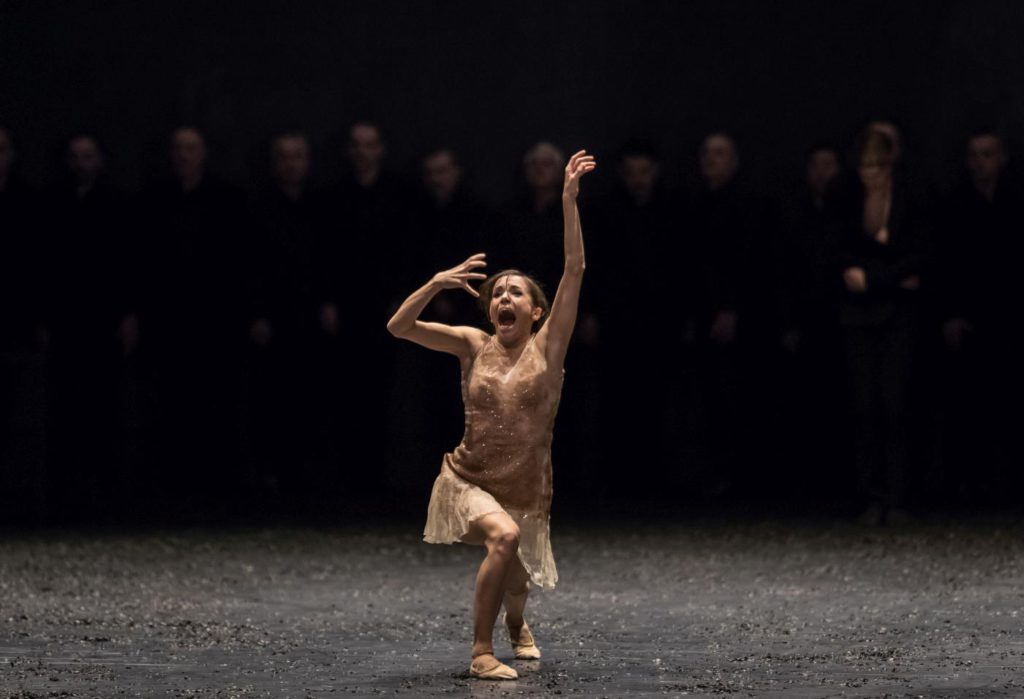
pixel 376 204
pixel 425 406
pixel 534 220
pixel 286 218
pixel 978 248
pixel 888 128
pixel 91 285
pixel 883 241
pixel 449 217
pixel 719 231
pixel 633 227
pixel 193 325
pixel 373 208
pixel 812 289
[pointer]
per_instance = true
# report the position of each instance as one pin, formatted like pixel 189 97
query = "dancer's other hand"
pixel 579 165
pixel 459 275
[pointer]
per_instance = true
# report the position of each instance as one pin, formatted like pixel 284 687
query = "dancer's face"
pixel 512 310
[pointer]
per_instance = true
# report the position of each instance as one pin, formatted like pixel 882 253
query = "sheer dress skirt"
pixel 455 503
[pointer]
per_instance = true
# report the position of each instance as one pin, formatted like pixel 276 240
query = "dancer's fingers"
pixel 584 162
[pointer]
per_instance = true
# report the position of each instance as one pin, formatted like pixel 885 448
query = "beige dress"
pixel 503 463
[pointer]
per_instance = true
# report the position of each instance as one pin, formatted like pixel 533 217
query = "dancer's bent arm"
pixel 553 337
pixel 460 340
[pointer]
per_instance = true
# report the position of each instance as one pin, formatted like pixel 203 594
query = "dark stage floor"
pixel 795 609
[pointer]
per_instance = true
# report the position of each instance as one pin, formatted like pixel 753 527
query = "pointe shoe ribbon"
pixel 497 671
pixel 524 646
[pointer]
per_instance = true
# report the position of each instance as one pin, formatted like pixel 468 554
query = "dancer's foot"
pixel 523 644
pixel 487 667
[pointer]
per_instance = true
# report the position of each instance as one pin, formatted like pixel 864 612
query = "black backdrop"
pixel 491 78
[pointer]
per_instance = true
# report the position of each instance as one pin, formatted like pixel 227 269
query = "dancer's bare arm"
pixel 553 337
pixel 460 340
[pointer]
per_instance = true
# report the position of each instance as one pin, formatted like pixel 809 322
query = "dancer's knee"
pixel 504 541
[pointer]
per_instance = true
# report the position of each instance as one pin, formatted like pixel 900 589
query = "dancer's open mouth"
pixel 506 318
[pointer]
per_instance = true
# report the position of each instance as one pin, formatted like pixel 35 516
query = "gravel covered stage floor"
pixel 801 608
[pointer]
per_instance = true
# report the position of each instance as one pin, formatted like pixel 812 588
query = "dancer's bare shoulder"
pixel 476 338
pixel 464 341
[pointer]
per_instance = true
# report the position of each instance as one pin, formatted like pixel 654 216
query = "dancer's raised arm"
pixel 553 337
pixel 460 340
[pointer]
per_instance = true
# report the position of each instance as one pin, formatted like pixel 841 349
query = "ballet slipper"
pixel 496 671
pixel 524 646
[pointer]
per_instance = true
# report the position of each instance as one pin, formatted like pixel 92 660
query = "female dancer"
pixel 494 489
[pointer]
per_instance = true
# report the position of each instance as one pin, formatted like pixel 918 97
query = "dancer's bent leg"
pixel 501 537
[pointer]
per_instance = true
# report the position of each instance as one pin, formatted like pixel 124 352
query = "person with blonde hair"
pixel 883 255
pixel 495 488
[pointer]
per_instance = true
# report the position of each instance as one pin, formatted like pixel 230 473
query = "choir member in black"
pixel 532 230
pixel 810 317
pixel 374 208
pixel 285 219
pixel 883 252
pixel 633 232
pixel 719 238
pixel 448 217
pixel 89 311
pixel 634 224
pixel 533 222
pixel 889 128
pixel 979 247
pixel 23 341
pixel 192 324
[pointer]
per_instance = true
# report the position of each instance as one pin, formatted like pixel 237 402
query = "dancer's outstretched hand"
pixel 579 165
pixel 459 275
